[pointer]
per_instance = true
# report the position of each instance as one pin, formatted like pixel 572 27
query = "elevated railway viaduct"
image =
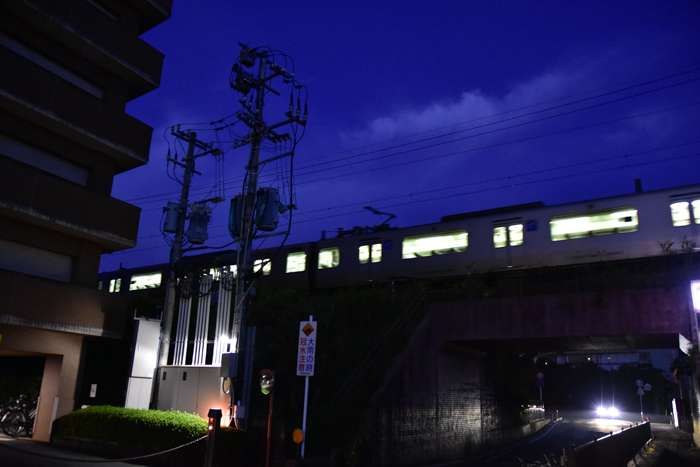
pixel 437 402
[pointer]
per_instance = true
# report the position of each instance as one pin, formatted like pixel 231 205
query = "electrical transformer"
pixel 267 209
pixel 171 212
pixel 235 216
pixel 199 220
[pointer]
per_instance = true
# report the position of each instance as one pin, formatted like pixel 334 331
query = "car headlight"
pixel 602 411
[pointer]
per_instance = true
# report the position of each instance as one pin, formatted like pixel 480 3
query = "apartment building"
pixel 67 70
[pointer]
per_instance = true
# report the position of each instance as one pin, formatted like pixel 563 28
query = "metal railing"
pixel 615 449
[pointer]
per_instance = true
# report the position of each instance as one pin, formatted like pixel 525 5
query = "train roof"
pixel 683 191
pixel 486 212
pixel 226 257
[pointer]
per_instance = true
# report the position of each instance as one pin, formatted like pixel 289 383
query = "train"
pixel 533 235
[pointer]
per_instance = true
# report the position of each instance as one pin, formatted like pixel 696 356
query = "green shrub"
pixel 133 427
pixel 154 430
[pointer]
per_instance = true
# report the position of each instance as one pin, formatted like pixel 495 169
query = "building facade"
pixel 68 70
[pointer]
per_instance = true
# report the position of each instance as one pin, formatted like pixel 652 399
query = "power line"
pixel 157 198
pixel 496 179
pixel 520 141
pixel 500 129
pixel 534 113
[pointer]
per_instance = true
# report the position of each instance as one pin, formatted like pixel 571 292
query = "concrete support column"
pixel 50 384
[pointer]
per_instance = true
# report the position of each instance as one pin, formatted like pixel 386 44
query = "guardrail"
pixel 615 449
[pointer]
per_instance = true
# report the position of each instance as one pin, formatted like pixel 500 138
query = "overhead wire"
pixel 509 179
pixel 296 139
pixel 529 122
pixel 425 159
pixel 480 126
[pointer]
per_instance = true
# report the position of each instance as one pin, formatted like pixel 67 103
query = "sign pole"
pixel 303 423
pixel 306 361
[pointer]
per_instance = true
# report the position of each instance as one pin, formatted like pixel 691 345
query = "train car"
pixel 526 236
pixel 532 235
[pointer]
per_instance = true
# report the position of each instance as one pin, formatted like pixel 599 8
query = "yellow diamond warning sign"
pixel 306 352
pixel 308 329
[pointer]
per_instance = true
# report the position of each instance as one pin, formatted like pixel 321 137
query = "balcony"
pixel 41 97
pixel 103 41
pixel 42 199
pixel 60 307
pixel 153 12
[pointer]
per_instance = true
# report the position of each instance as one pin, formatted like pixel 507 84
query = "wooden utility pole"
pixel 259 131
pixel 176 249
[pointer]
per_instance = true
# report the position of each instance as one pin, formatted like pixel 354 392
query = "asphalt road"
pixel 22 451
pixel 547 445
pixel 574 428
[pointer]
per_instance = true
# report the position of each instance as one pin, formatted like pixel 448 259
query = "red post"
pixel 269 428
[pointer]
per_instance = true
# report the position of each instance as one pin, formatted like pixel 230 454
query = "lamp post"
pixel 641 388
pixel 214 416
pixel 267 384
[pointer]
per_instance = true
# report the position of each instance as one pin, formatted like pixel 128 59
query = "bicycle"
pixel 18 417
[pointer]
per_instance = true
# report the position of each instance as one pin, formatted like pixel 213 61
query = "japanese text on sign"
pixel 306 354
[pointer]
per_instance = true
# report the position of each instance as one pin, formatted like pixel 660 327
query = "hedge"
pixel 133 427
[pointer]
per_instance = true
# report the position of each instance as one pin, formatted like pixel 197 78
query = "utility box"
pixel 192 389
pixel 229 365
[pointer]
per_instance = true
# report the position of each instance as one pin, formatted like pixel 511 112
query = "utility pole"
pixel 245 258
pixel 176 250
pixel 259 131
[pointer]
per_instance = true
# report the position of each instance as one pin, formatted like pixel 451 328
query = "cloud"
pixel 473 109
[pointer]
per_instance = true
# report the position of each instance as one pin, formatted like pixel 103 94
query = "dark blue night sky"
pixel 424 109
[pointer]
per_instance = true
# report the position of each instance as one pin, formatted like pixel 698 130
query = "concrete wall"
pixel 437 406
pixel 438 402
pixel 613 316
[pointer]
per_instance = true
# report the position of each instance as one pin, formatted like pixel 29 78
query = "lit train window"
pixel 515 234
pixel 266 267
pixel 594 223
pixel 296 262
pixel 328 258
pixel 115 285
pixel 435 244
pixel 696 210
pixel 376 252
pixel 512 236
pixel 371 253
pixel 680 213
pixel 99 285
pixel 499 237
pixel 145 281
